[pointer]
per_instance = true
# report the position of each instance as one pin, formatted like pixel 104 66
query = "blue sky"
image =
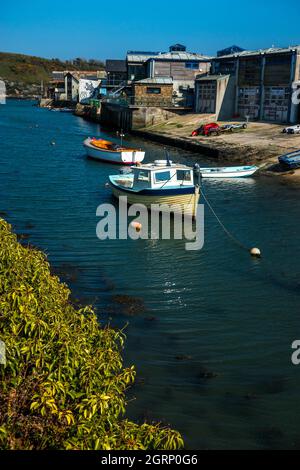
pixel 107 29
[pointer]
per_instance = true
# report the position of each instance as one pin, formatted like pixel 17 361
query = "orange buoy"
pixel 136 225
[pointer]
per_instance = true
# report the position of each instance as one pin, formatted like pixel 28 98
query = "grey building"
pixel 214 94
pixel 116 71
pixel 182 67
pixel 259 84
pixel 136 62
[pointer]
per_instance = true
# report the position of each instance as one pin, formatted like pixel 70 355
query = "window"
pixel 153 90
pixel 192 65
pixel 143 175
pixel 183 175
pixel 162 177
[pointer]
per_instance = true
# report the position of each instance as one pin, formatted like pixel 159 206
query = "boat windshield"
pixel 162 176
pixel 184 175
pixel 143 175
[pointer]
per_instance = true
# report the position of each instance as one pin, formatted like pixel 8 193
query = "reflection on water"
pixel 210 331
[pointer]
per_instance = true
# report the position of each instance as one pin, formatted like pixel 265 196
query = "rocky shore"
pixel 21 90
pixel 260 144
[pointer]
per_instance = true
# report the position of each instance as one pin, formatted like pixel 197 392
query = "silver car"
pixel 292 129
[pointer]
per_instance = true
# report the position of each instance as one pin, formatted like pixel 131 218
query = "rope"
pixel 288 283
pixel 168 181
pixel 228 233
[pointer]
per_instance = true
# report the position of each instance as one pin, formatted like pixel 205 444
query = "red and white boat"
pixel 107 151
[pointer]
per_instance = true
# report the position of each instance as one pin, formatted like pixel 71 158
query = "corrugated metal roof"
pixel 271 50
pixel 90 74
pixel 157 81
pixel 202 78
pixel 181 56
pixel 140 57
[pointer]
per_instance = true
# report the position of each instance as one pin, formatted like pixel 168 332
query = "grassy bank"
pixel 63 385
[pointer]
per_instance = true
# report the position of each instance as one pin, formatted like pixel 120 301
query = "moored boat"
pixel 290 161
pixel 229 171
pixel 105 150
pixel 171 186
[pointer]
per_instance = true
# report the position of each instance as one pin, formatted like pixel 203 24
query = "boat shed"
pixel 263 84
pixel 214 94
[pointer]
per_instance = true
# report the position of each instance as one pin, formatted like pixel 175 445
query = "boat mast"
pixel 122 135
pixel 167 157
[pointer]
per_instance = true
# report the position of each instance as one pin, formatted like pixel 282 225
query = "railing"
pixel 111 82
pixel 174 102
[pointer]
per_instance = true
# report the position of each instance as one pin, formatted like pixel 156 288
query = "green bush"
pixel 64 384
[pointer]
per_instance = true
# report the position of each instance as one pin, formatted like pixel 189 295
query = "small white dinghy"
pixel 107 151
pixel 228 171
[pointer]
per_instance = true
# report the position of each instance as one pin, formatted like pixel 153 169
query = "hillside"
pixel 23 73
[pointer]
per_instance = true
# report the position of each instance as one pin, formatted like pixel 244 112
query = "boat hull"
pixel 184 204
pixel 227 172
pixel 130 157
pixel 290 161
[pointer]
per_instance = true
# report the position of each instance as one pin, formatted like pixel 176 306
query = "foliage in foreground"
pixel 63 386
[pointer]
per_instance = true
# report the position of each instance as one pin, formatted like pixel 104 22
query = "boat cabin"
pixel 159 174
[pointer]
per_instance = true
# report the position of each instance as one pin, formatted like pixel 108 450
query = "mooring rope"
pixel 228 233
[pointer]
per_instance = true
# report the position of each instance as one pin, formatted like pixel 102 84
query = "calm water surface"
pixel 212 332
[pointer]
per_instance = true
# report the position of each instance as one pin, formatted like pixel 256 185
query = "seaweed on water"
pixel 128 305
pixel 69 272
pixel 22 236
pixel 207 374
pixel 183 357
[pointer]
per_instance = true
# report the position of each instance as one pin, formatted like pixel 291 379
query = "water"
pixel 212 347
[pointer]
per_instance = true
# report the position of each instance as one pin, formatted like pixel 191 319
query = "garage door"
pixel 206 98
pixel 276 104
pixel 249 102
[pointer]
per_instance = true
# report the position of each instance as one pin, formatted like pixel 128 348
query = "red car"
pixel 206 129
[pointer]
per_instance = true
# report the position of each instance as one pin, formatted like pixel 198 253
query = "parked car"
pixel 292 129
pixel 206 129
pixel 233 127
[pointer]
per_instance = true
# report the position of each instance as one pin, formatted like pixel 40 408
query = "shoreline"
pixel 260 144
pixel 268 167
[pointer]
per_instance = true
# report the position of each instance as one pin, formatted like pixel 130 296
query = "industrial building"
pixel 255 84
pixel 182 67
pixel 116 71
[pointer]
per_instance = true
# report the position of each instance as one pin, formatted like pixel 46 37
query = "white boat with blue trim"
pixel 160 183
pixel 228 171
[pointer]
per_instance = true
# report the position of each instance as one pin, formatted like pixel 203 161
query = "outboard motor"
pixel 197 172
